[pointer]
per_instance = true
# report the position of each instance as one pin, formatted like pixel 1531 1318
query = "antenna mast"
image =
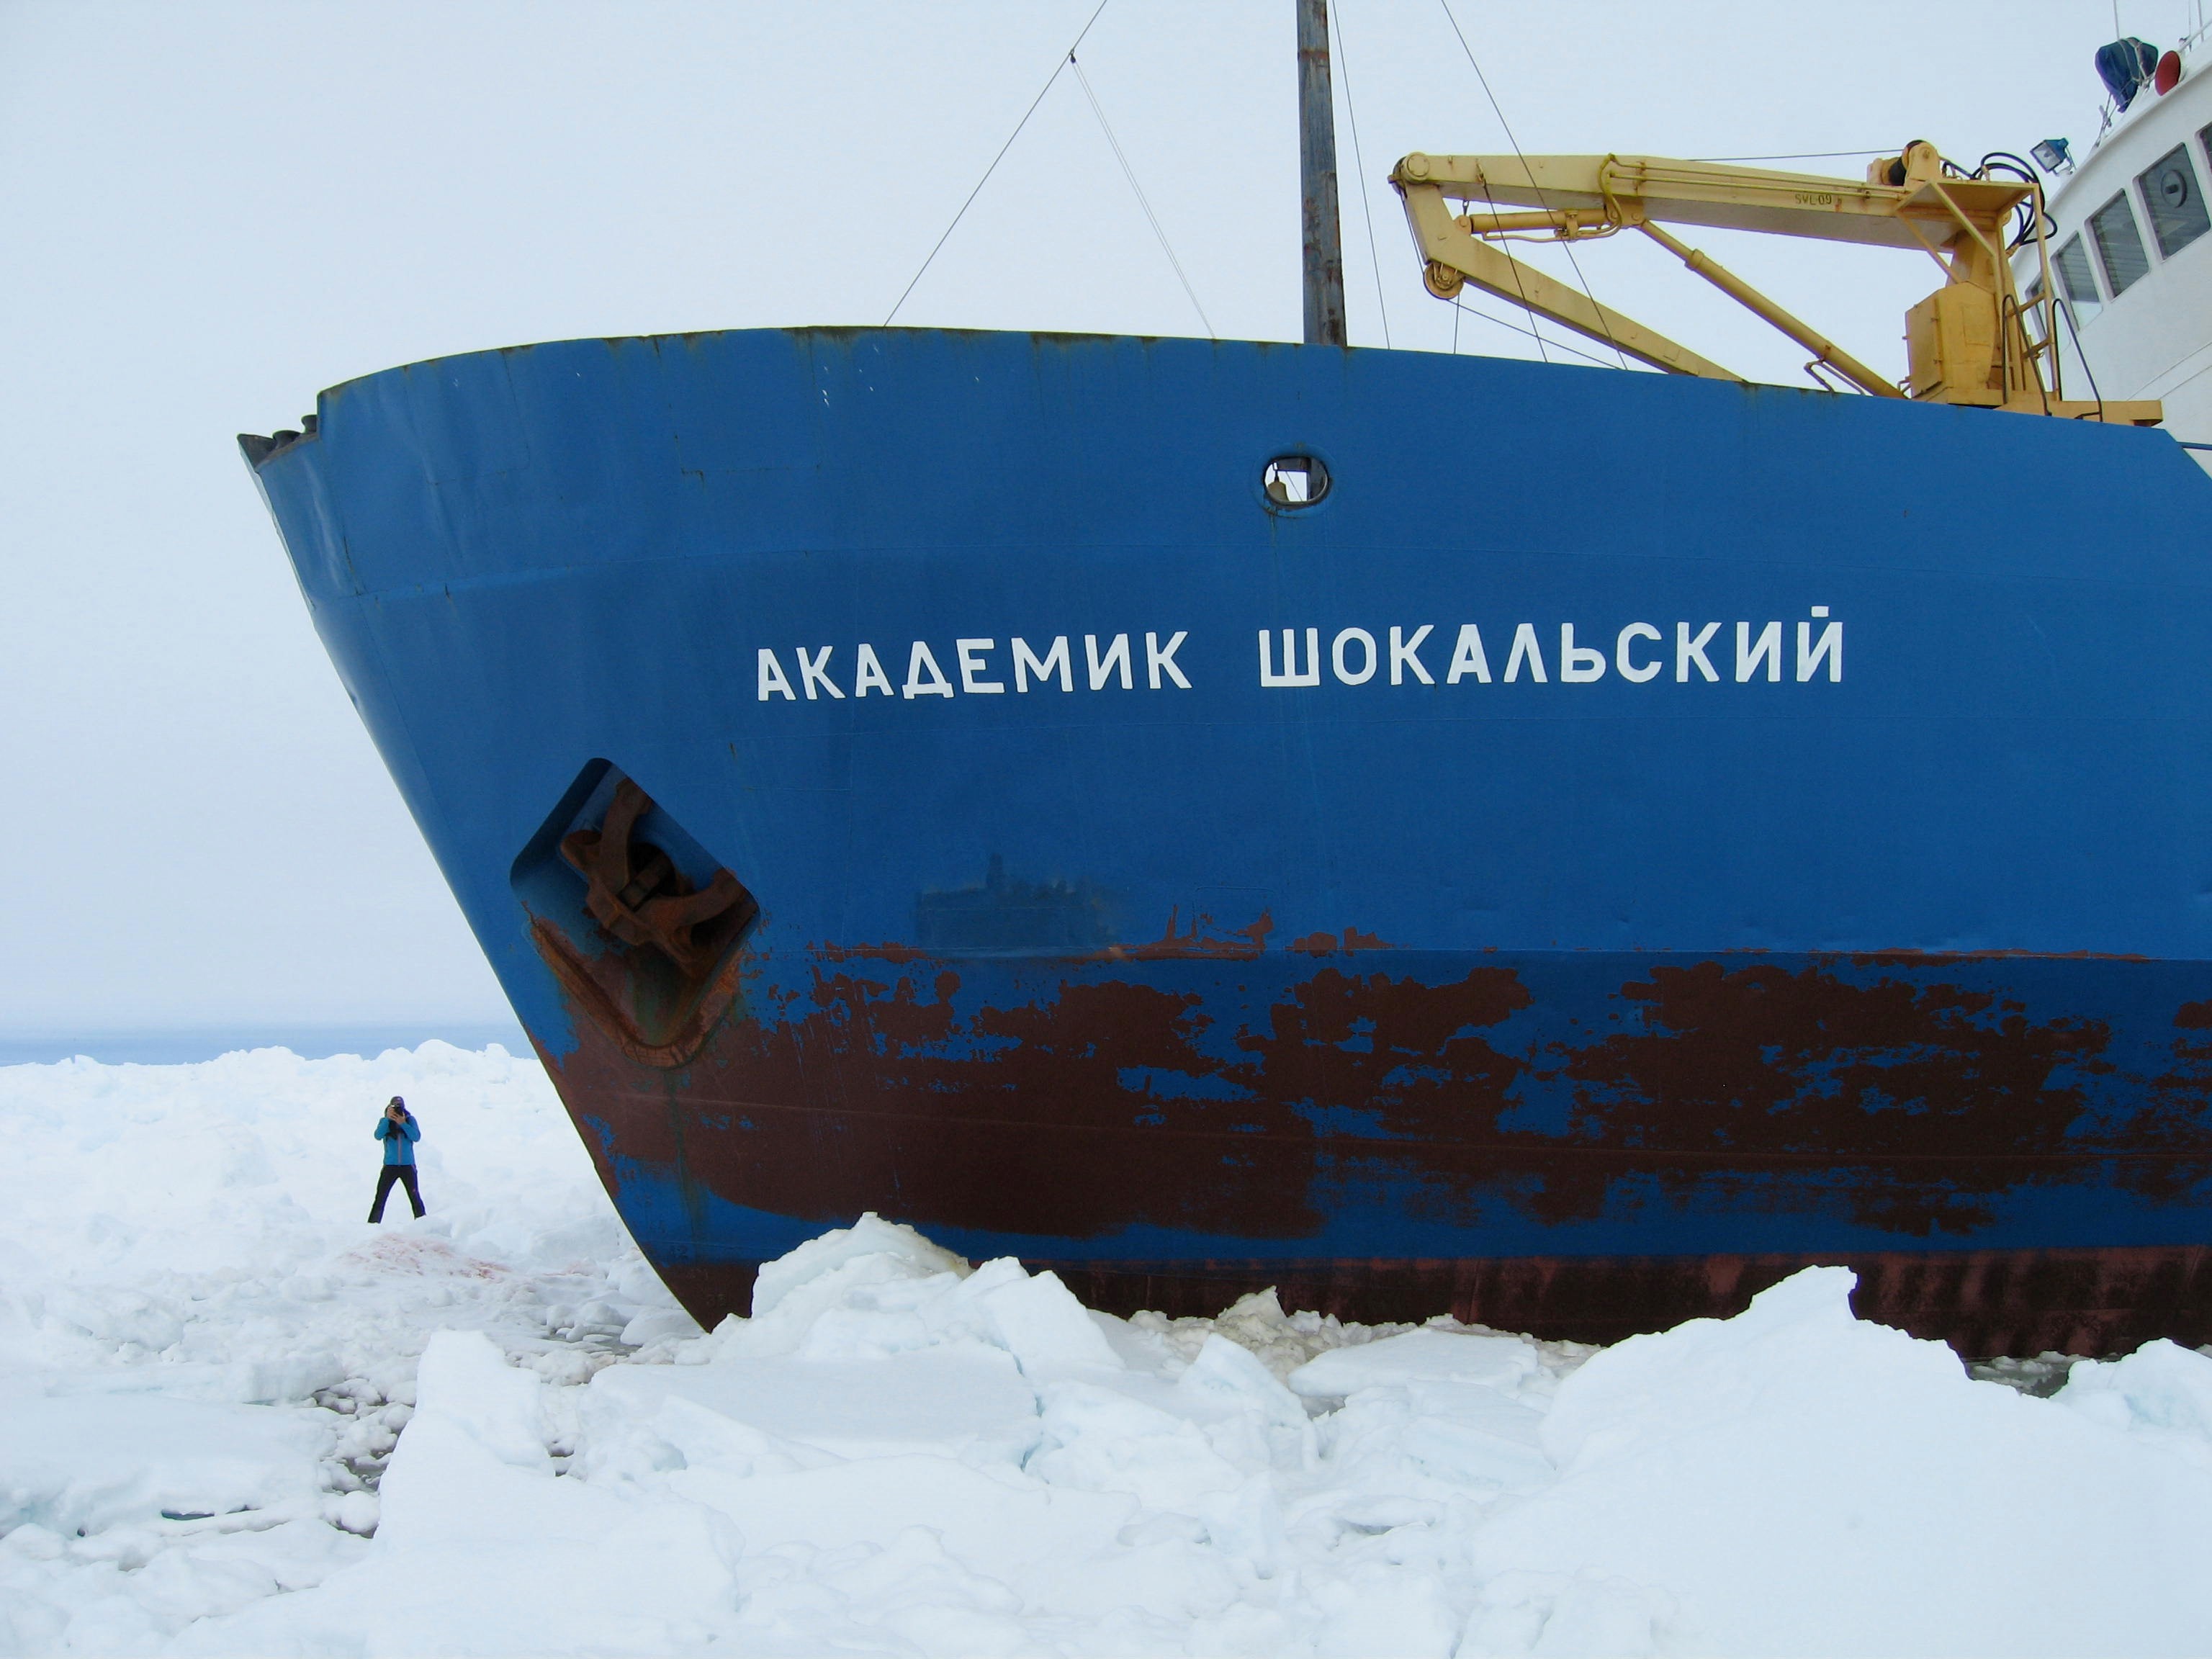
pixel 1324 244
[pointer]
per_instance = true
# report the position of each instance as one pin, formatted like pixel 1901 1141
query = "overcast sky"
pixel 211 210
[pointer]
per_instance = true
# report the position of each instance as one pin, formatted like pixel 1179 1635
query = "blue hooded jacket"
pixel 398 1148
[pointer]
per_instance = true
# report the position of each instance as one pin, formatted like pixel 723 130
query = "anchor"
pixel 637 894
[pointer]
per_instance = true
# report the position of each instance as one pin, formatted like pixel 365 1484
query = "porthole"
pixel 2170 195
pixel 1291 482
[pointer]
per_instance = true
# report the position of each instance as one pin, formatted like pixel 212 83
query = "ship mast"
pixel 1324 246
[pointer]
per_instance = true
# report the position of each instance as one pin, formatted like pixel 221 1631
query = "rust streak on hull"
pixel 1050 1109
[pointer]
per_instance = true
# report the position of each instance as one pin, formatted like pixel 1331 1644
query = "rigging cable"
pixel 1568 246
pixel 1062 63
pixel 1360 161
pixel 1459 306
pixel 1129 173
pixel 1797 155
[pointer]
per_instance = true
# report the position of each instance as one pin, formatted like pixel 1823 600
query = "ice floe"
pixel 235 1420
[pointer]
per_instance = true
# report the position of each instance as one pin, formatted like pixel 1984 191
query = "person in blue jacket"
pixel 398 1130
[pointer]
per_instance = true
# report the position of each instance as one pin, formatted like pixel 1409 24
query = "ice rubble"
pixel 234 1420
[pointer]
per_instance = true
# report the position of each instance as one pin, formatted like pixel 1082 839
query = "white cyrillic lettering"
pixel 1687 651
pixel 1830 647
pixel 868 674
pixel 1629 670
pixel 816 672
pixel 772 682
pixel 1158 662
pixel 935 686
pixel 1525 649
pixel 1578 664
pixel 1291 674
pixel 1026 665
pixel 1404 654
pixel 1336 656
pixel 971 663
pixel 1748 656
pixel 1468 656
pixel 1116 652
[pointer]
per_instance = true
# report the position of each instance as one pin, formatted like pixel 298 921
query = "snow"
pixel 1687 1459
pixel 236 1419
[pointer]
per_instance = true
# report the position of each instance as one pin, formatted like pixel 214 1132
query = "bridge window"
pixel 2075 282
pixel 2175 203
pixel 2119 244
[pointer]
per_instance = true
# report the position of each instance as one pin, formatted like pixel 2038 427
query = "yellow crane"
pixel 1967 342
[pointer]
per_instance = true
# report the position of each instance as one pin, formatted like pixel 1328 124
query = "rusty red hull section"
pixel 1896 1106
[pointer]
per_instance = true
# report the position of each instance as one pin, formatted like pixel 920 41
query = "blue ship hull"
pixel 1630 837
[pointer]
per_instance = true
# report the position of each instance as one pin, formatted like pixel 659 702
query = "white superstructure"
pixel 2130 252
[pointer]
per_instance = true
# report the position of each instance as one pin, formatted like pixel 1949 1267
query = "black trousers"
pixel 405 1172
